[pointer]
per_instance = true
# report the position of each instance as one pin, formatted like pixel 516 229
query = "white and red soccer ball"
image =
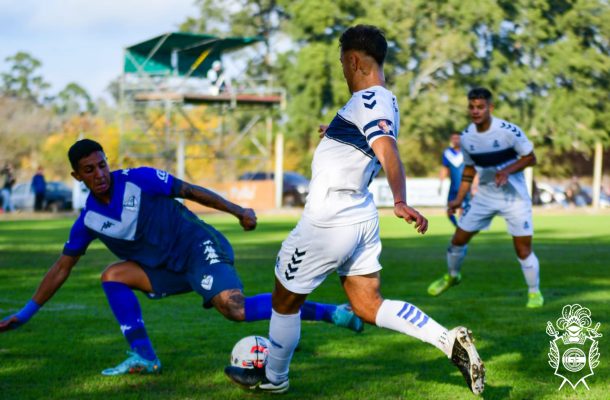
pixel 250 352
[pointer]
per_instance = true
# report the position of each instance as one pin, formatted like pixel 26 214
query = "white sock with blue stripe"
pixel 408 319
pixel 284 335
pixel 531 271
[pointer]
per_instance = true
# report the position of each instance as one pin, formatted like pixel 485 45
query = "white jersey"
pixel 344 163
pixel 490 151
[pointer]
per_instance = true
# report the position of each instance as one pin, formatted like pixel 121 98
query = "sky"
pixel 82 41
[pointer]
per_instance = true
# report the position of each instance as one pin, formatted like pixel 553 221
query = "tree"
pixel 22 80
pixel 73 99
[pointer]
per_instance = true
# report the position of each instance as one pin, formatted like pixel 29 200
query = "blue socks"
pixel 126 309
pixel 258 308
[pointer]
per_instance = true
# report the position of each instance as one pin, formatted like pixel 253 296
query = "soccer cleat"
pixel 464 356
pixel 534 300
pixel 255 379
pixel 134 364
pixel 441 285
pixel 344 316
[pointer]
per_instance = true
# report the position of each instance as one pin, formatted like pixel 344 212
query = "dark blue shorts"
pixel 209 271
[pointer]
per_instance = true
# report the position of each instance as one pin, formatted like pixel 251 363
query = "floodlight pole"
pixel 597 174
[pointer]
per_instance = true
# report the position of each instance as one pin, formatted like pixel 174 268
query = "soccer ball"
pixel 250 352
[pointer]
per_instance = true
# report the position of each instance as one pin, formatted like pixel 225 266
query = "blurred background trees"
pixel 546 61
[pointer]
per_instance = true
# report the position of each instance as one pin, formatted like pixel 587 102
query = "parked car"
pixel 58 197
pixel 296 186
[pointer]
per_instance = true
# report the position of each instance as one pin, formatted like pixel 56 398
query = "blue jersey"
pixel 454 161
pixel 143 222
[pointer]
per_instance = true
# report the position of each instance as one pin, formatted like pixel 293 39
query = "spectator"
pixel 7 187
pixel 217 78
pixel 39 187
pixel 574 193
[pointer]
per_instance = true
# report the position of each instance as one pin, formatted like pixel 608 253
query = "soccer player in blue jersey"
pixel 164 249
pixel 453 165
pixel 497 151
pixel 339 229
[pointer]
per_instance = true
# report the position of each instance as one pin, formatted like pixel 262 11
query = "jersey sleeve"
pixel 374 116
pixel 155 181
pixel 465 153
pixel 445 161
pixel 522 145
pixel 79 239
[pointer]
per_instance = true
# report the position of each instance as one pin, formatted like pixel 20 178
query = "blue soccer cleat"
pixel 134 364
pixel 344 316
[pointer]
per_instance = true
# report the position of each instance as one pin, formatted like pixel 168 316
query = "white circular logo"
pixel 574 359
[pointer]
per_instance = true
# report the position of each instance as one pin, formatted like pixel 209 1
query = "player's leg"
pixel 476 217
pixel 406 318
pixel 118 280
pixel 258 307
pixel 518 216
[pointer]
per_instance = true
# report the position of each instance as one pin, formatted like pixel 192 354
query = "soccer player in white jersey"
pixel 339 229
pixel 497 151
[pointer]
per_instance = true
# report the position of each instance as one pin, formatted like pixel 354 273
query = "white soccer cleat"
pixel 465 356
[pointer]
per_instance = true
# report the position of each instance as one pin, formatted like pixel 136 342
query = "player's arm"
pixel 441 177
pixel 528 160
pixel 205 197
pixel 468 176
pixel 387 153
pixel 52 281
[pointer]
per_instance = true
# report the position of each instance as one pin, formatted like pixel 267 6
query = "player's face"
pixel 454 140
pixel 479 111
pixel 93 171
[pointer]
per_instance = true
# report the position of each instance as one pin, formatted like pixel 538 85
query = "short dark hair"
pixel 366 38
pixel 82 149
pixel 480 93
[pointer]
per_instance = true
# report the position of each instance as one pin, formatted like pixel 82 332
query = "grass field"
pixel 60 352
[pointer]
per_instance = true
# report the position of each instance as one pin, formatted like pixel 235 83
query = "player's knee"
pixel 523 252
pixel 111 274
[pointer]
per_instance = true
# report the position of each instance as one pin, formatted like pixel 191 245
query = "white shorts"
pixel 310 253
pixel 516 211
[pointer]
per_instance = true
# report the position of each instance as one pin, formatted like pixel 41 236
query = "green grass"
pixel 59 354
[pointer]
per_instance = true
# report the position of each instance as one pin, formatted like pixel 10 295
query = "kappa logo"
pixel 574 353
pixel 106 225
pixel 207 281
pixel 297 258
pixel 526 225
pixel 471 148
pixel 496 144
pixel 210 252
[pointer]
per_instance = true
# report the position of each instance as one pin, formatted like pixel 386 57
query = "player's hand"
pixel 10 323
pixel 409 214
pixel 248 219
pixel 322 130
pixel 453 205
pixel 501 178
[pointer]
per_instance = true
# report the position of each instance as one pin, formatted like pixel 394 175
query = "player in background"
pixel 339 229
pixel 453 165
pixel 164 249
pixel 497 151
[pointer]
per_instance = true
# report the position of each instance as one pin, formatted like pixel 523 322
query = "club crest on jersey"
pixel 574 353
pixel 207 281
pixel 131 203
pixel 162 175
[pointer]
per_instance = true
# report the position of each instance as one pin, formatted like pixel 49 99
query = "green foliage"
pixel 22 79
pixel 73 99
pixel 59 354
pixel 547 62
